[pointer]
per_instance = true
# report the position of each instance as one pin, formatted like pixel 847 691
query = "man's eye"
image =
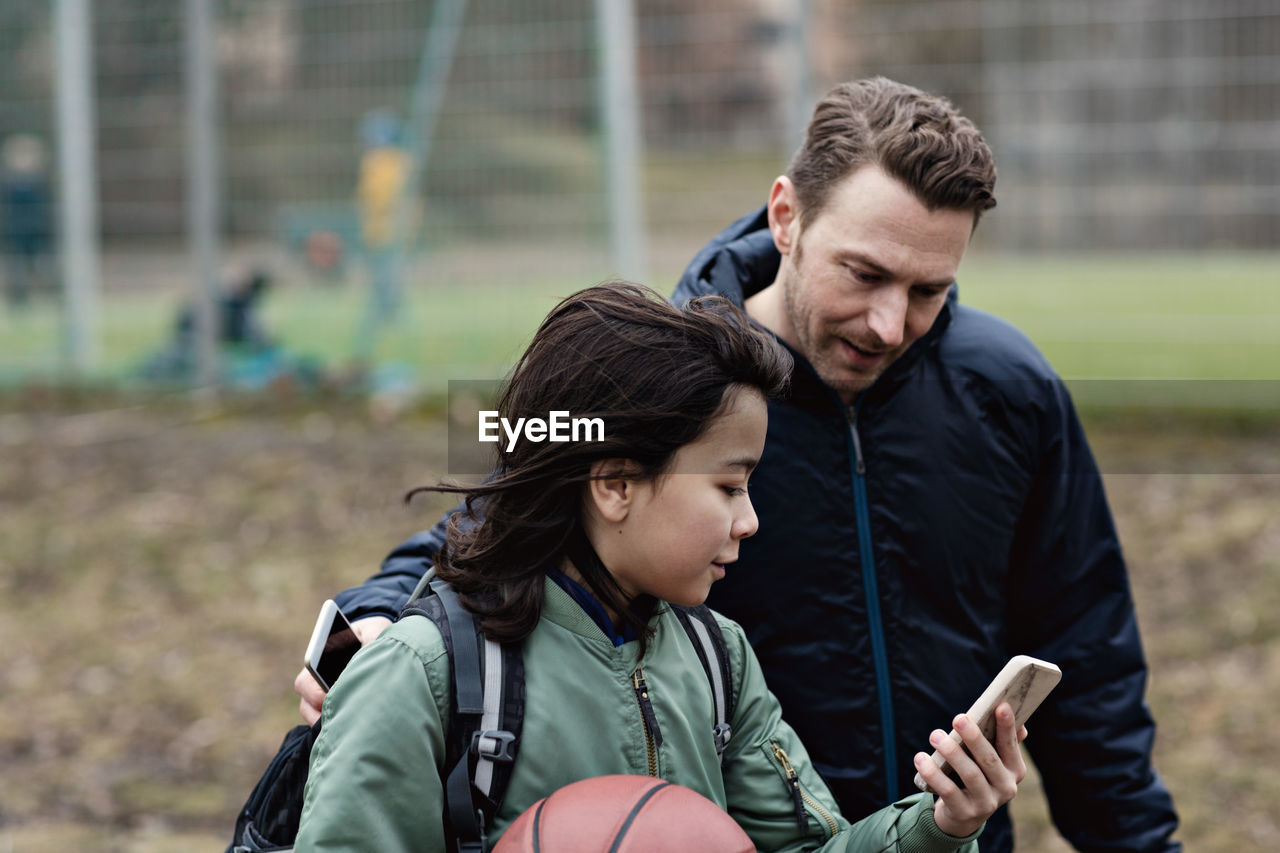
pixel 861 275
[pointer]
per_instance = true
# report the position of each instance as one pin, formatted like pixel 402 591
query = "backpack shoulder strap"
pixel 708 641
pixel 485 715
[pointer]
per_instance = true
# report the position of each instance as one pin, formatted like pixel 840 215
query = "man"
pixel 928 503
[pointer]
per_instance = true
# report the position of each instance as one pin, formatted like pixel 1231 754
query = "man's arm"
pixel 387 592
pixel 377 602
pixel 1070 603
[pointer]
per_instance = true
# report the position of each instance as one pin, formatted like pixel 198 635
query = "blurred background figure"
pixel 241 331
pixel 251 357
pixel 384 170
pixel 26 231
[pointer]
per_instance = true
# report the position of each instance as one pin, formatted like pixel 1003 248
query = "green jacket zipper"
pixel 652 734
pixel 798 796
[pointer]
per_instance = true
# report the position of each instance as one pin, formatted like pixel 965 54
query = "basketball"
pixel 626 814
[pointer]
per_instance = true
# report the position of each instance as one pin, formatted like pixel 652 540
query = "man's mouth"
pixel 862 357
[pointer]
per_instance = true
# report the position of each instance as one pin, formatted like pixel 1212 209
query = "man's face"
pixel 866 277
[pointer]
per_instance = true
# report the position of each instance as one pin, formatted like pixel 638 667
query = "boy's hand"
pixel 305 684
pixel 990 776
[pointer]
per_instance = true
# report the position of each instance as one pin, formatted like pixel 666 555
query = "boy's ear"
pixel 610 490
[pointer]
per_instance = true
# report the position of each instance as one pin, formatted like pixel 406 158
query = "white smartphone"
pixel 333 644
pixel 1023 683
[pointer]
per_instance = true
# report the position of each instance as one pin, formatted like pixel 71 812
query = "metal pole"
pixel 428 95
pixel 620 108
pixel 78 188
pixel 1006 100
pixel 202 186
pixel 800 97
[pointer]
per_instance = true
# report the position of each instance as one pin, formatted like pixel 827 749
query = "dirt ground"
pixel 161 563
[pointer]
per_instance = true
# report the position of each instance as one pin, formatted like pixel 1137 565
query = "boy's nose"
pixel 747 523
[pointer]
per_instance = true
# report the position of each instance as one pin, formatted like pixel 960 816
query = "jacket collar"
pixel 742 260
pixel 559 606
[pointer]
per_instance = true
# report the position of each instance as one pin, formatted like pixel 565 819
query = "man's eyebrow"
pixel 858 257
pixel 880 269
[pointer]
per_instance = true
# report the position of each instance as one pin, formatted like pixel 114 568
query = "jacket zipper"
pixel 875 625
pixel 652 735
pixel 798 796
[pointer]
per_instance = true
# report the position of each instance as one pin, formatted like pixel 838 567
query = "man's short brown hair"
pixel 918 138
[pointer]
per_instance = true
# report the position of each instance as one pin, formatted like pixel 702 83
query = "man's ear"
pixel 610 490
pixel 784 214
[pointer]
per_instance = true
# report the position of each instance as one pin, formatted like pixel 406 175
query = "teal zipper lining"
pixel 875 625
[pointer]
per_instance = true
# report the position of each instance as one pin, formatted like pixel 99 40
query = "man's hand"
pixel 990 776
pixel 306 686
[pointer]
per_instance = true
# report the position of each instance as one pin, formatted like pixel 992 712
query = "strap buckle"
pixel 475 845
pixel 723 734
pixel 494 746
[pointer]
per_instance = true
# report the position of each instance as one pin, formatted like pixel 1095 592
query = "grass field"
pixel 162 562
pixel 1173 317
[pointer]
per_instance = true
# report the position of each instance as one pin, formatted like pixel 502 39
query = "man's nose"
pixel 887 315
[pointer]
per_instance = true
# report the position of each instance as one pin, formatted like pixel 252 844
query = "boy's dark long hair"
pixel 656 375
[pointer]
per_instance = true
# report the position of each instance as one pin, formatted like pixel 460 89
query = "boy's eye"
pixel 734 491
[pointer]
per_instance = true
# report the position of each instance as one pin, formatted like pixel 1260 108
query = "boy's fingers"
pixel 1007 738
pixel 1006 730
pixel 940 783
pixel 993 770
pixel 961 761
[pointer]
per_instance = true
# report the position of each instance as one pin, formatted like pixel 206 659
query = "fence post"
pixel 620 108
pixel 202 186
pixel 799 91
pixel 78 187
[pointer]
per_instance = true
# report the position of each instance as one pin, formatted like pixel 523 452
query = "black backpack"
pixel 487 710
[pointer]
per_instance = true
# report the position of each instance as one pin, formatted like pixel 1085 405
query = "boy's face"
pixel 682 530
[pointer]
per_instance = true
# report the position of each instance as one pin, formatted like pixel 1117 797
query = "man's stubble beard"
pixel 846 388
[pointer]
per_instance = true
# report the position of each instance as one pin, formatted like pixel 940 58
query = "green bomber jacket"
pixel 375 779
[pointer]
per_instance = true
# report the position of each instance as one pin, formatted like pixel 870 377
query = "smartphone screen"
pixel 328 656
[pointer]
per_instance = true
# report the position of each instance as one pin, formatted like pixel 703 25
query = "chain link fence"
pixel 1141 125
